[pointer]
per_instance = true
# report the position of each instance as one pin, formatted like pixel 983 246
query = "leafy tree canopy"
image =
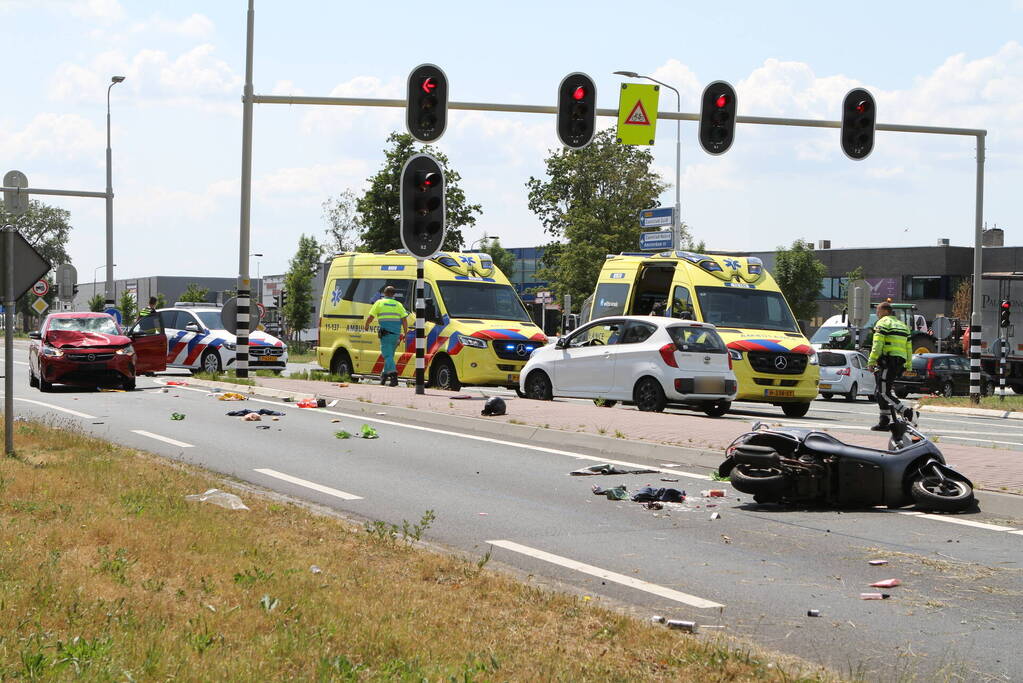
pixel 194 293
pixel 298 282
pixel 588 203
pixel 799 275
pixel 503 259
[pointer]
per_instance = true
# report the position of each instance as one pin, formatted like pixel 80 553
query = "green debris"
pixel 369 433
pixel 177 416
pixel 342 434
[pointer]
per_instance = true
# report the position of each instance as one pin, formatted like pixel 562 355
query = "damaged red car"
pixel 90 350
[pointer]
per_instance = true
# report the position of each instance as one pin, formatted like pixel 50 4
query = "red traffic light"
pixel 862 106
pixel 428 85
pixel 579 93
pixel 1006 305
pixel 722 101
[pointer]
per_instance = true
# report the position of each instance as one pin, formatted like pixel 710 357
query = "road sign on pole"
pixel 656 241
pixel 41 288
pixel 663 217
pixel 39 305
pixel 16 203
pixel 637 113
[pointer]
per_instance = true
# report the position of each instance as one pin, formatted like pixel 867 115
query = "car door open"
pixel 150 344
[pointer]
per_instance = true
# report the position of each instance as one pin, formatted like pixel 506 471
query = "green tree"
pixel 127 305
pixel 588 204
pixel 194 293
pixel 378 211
pixel 96 302
pixel 503 259
pixel 161 300
pixel 343 225
pixel 799 275
pixel 298 283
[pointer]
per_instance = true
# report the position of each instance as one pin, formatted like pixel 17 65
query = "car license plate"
pixel 825 386
pixel 513 378
pixel 909 373
pixel 779 393
pixel 709 385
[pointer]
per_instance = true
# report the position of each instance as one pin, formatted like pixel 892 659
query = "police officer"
pixel 890 354
pixel 392 316
pixel 150 310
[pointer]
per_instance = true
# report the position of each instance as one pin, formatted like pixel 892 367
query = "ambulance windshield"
pixel 745 308
pixel 482 300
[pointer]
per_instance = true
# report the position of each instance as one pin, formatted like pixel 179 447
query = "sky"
pixel 176 120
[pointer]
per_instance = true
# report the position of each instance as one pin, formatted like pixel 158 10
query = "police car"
pixel 197 341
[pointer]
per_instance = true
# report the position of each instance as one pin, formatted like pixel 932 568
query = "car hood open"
pixel 82 340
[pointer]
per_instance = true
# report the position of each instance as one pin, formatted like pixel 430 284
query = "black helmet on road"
pixel 495 405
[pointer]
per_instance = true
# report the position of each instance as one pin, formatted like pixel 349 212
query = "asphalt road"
pixel 755 571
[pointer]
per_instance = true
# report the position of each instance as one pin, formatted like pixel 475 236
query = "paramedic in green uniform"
pixel 392 317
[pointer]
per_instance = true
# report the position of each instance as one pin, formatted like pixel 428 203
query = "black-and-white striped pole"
pixel 241 356
pixel 975 332
pixel 420 328
pixel 1002 359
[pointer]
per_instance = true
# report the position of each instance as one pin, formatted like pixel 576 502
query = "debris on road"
pixel 162 391
pixel 606 468
pixel 615 493
pixel 668 479
pixel 263 426
pixel 813 612
pixel 176 383
pixel 342 434
pixel 341 384
pixel 218 497
pixel 887 583
pixel 381 413
pixel 494 406
pixel 877 563
pixel 726 539
pixel 648 493
pixel 177 416
pixel 713 493
pixel 308 403
pixel 335 421
pixel 315 570
pixel 715 515
pixel 874 596
pixel 242 412
pixel 231 396
pixel 369 433
pixel 332 403
pixel 110 391
pixel 679 625
pixel 653 505
pixel 658 619
pixel 252 417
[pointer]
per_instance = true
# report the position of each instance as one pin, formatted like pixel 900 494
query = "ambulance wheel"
pixel 210 362
pixel 341 365
pixel 443 375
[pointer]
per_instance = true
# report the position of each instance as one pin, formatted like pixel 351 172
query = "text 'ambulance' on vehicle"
pixel 477 330
pixel 773 361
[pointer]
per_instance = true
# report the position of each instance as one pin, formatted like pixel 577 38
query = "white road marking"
pixel 309 484
pixel 958 520
pixel 606 575
pixel 165 439
pixel 53 407
pixel 1020 532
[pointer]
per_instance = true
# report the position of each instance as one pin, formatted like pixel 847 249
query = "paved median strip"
pixel 309 484
pixel 165 439
pixel 638 584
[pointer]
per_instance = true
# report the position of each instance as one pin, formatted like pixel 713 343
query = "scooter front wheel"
pixel 943 495
pixel 766 484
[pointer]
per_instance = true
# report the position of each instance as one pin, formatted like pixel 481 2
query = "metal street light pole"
pixel 94 271
pixel 676 238
pixel 485 238
pixel 114 80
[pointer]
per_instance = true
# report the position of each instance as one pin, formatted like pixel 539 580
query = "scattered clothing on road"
pixel 262 411
pixel 615 493
pixel 606 469
pixel 649 493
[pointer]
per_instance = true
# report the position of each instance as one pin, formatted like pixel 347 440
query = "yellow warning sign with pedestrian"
pixel 637 113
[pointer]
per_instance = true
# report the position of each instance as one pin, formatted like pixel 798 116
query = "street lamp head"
pixel 116 79
pixel 258 255
pixel 628 74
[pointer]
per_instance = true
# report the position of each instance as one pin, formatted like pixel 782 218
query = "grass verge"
pixel 109 573
pixel 304 357
pixel 1012 403
pixel 319 376
pixel 229 376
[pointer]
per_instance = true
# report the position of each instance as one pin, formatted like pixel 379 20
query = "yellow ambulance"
pixel 772 359
pixel 477 330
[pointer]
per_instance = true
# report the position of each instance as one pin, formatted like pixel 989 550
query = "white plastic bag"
pixel 218 497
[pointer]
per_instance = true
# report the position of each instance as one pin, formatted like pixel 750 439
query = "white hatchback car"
pixel 844 373
pixel 650 361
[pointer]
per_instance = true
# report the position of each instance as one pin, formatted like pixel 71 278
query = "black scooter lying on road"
pixel 799 465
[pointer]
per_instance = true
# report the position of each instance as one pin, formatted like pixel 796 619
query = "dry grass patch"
pixel 107 572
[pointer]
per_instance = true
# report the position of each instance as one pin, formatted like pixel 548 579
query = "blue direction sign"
pixel 657 218
pixel 116 312
pixel 655 241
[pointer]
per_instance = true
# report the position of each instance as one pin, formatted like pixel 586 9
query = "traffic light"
pixel 577 110
pixel 426 109
pixel 283 298
pixel 859 115
pixel 718 109
pixel 1003 313
pixel 422 206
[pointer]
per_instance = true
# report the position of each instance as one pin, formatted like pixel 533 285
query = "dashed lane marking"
pixel 309 484
pixel 606 575
pixel 165 439
pixel 55 407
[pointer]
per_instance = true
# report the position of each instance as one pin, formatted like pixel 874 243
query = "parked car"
pixel 940 373
pixel 650 361
pixel 196 340
pixel 844 373
pixel 90 349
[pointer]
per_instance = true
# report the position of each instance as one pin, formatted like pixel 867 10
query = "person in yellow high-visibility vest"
pixel 392 317
pixel 890 354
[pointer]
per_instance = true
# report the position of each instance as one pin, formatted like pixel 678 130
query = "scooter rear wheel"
pixel 949 495
pixel 766 484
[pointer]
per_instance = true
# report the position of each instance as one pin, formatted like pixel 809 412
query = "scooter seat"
pixel 826 444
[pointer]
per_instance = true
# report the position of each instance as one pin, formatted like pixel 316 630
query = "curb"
pixel 972 412
pixel 647 452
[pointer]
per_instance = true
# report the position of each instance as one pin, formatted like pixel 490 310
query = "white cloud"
pixel 300 185
pixel 101 10
pixel 54 136
pixel 331 119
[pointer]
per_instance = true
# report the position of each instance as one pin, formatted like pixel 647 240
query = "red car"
pixel 89 349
